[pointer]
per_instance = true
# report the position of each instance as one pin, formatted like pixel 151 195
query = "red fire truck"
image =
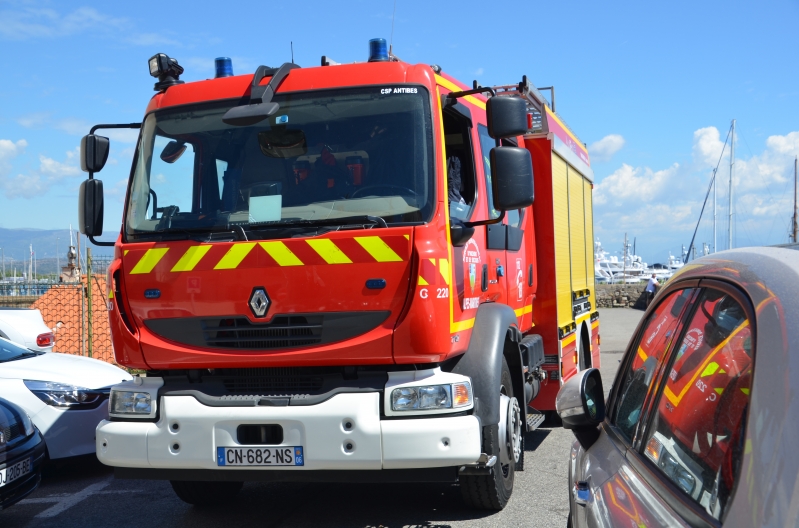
pixel 338 273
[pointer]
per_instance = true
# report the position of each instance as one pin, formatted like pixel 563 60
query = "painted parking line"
pixel 64 501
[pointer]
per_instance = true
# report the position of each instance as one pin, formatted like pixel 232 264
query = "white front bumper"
pixel 319 429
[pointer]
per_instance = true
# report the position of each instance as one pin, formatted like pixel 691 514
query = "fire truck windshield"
pixel 324 155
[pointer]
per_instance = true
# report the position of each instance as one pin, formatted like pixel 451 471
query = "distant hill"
pixel 15 244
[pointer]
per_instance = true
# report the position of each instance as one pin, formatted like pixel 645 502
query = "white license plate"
pixel 260 456
pixel 12 473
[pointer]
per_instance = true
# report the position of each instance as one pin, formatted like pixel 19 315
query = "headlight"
pixel 124 402
pixel 65 396
pixel 431 397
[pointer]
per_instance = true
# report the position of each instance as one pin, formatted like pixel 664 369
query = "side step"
pixel 534 419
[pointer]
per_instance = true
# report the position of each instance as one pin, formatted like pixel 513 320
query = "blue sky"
pixel 650 88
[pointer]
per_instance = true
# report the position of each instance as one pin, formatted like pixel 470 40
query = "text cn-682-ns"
pixel 341 272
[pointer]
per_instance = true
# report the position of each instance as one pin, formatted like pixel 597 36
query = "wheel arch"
pixel 494 336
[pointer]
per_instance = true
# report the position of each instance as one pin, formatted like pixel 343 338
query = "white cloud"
pixel 48 23
pixel 479 71
pixel 605 148
pixel 788 144
pixel 627 183
pixel 49 173
pixel 10 149
pixel 707 146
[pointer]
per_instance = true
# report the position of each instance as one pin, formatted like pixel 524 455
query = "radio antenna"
pixel 292 51
pixel 391 41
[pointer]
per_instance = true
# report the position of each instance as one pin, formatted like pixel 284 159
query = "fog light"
pixel 131 402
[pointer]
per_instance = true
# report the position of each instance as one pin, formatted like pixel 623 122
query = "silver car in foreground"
pixel 701 426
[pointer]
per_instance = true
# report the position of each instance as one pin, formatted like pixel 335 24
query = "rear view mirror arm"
pixel 496 220
pixel 108 126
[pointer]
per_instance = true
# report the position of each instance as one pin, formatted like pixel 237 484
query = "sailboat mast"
pixel 732 173
pixel 795 210
pixel 714 210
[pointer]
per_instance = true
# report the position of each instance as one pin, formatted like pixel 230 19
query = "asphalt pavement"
pixel 84 493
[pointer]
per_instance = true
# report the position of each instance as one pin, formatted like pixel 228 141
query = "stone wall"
pixel 618 295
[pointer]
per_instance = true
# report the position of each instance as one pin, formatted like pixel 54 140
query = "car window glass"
pixel 696 436
pixel 653 342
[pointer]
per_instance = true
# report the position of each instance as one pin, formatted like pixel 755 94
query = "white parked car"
pixel 26 327
pixel 66 396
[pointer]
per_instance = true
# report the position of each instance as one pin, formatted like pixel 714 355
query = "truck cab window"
pixel 486 144
pixel 460 165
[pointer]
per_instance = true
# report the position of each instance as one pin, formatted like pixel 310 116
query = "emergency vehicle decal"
pixel 675 399
pixel 315 251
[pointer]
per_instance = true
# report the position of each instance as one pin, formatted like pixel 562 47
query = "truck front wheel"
pixel 492 491
pixel 205 493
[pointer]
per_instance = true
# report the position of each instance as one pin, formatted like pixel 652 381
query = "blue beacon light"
pixel 224 67
pixel 378 50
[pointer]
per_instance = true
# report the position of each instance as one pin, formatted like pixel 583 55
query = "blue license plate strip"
pixel 260 456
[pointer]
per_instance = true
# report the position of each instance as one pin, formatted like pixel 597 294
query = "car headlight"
pixel 65 396
pixel 129 402
pixel 431 397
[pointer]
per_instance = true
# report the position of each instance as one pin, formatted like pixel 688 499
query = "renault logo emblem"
pixel 259 301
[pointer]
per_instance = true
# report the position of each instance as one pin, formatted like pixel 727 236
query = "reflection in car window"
pixel 696 437
pixel 655 339
pixel 486 144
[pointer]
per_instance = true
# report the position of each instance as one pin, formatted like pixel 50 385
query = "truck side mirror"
pixel 93 153
pixel 581 405
pixel 90 207
pixel 511 178
pixel 507 116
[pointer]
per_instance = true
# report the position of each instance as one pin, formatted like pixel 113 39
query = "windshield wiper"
pixel 347 220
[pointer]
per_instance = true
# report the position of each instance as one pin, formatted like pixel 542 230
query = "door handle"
pixel 581 492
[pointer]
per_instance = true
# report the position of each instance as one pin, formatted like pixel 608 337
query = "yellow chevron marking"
pixel 375 246
pixel 710 369
pixel 719 391
pixel 745 391
pixel 235 255
pixel 523 310
pixel 443 268
pixel 125 253
pixel 642 354
pixel 191 258
pixel 110 294
pixel 422 282
pixel 329 251
pixel 148 261
pixel 281 253
pixel 407 237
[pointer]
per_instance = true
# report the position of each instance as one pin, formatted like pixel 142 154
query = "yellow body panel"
pixel 589 239
pixel 577 230
pixel 560 208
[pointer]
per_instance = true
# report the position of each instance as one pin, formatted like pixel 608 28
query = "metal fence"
pixel 77 315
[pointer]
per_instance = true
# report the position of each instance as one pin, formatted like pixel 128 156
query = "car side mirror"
pixel 459 233
pixel 507 116
pixel 511 178
pixel 93 153
pixel 580 403
pixel 90 208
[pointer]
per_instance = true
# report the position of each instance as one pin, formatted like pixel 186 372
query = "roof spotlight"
pixel 166 69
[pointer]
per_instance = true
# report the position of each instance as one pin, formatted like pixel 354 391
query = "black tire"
pixel 209 494
pixel 493 490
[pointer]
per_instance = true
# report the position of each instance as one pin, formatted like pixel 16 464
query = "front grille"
pixel 278 380
pixel 12 431
pixel 284 331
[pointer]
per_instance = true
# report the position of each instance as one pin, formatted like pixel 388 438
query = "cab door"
pixel 494 270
